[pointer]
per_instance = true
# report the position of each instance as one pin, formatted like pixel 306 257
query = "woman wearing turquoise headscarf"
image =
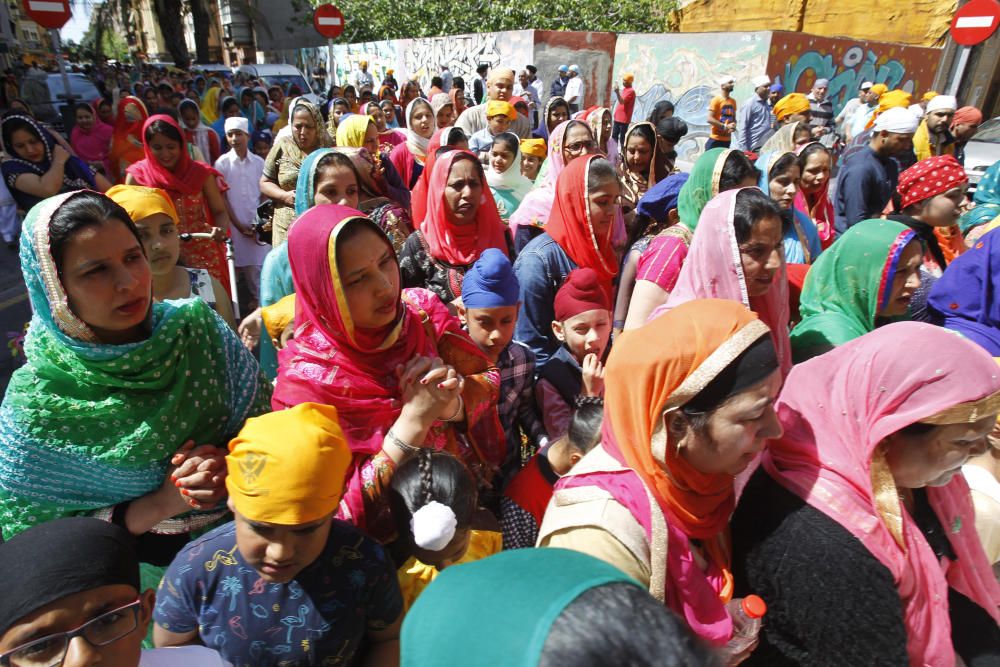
pixel 120 398
pixel 276 273
pixel 251 108
pixel 779 179
pixel 530 607
pixel 862 281
pixel 987 200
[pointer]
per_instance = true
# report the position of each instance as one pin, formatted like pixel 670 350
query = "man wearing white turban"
pixel 933 137
pixel 866 182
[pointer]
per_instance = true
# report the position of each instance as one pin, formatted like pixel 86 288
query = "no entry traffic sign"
pixel 51 14
pixel 975 22
pixel 328 21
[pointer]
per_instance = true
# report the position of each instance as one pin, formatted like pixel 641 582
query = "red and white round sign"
pixel 975 22
pixel 328 21
pixel 51 14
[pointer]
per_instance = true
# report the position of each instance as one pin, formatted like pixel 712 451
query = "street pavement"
pixel 14 311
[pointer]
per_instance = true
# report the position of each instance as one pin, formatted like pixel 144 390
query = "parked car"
pixel 212 68
pixel 47 96
pixel 982 151
pixel 278 74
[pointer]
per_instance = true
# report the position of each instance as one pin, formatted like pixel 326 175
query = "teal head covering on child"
pixel 499 610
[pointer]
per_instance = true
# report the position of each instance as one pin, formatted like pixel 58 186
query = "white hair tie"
pixel 433 526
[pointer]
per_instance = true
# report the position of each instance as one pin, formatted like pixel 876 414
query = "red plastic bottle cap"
pixel 754 606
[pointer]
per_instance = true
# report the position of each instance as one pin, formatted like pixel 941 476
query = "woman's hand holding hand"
pixel 199 475
pixel 428 385
pixel 250 329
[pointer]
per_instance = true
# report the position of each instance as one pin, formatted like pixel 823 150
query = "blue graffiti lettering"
pixel 857 66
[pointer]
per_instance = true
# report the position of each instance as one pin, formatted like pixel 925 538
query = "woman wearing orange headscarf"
pixel 126 142
pixel 688 404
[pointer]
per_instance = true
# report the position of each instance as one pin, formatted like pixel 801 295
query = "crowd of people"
pixel 490 380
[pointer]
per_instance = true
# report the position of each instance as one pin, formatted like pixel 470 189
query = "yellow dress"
pixel 415 576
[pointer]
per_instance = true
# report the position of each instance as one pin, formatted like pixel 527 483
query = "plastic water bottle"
pixel 746 614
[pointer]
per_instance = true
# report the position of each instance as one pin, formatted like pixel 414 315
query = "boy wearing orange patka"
pixel 285 563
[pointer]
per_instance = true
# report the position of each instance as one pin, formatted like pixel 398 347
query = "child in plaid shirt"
pixel 489 311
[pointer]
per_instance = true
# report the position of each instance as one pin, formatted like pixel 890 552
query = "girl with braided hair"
pixel 435 505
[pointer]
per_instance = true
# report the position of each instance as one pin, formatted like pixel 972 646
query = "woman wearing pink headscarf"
pixel 736 254
pixel 569 140
pixel 859 531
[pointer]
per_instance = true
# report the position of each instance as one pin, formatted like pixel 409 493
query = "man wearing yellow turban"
pixel 285 578
pixel 792 108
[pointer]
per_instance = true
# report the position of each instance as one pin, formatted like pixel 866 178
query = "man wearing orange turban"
pixel 285 578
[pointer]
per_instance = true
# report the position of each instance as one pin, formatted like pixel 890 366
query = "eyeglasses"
pixel 50 651
pixel 581 146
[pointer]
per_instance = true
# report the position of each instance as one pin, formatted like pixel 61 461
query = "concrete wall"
pixel 915 22
pixel 592 51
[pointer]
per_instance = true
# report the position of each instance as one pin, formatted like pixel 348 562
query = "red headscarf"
pixel 418 196
pixel 930 178
pixel 460 245
pixel 187 177
pixel 569 223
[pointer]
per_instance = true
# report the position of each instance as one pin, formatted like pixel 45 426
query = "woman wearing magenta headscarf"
pixel 363 344
pixel 859 531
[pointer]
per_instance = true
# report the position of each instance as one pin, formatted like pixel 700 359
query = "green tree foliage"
pixel 371 20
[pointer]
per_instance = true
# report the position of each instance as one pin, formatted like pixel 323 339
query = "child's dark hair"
pixel 646 132
pixel 783 164
pixel 455 135
pixel 229 103
pixel 334 159
pixel 752 206
pixel 87 209
pixel 585 424
pixel 164 128
pixel 809 151
pixel 599 173
pixel 432 475
pixel 672 129
pixel 508 141
pixel 84 106
pixel 737 169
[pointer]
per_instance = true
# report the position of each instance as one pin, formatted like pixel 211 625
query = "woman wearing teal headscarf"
pixel 109 397
pixel 779 180
pixel 251 108
pixel 530 607
pixel 865 279
pixel 987 200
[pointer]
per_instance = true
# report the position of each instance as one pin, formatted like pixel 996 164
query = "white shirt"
pixel 363 80
pixel 243 177
pixel 529 94
pixel 574 90
pixel 189 656
pixel 539 89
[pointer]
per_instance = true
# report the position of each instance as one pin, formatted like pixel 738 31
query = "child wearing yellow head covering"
pixel 499 116
pixel 285 563
pixel 153 213
pixel 533 152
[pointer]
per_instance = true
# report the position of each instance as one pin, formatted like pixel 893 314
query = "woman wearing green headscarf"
pixel 865 279
pixel 531 607
pixel 715 172
pixel 119 395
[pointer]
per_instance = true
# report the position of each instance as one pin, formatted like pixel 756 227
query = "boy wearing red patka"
pixel 526 497
pixel 583 325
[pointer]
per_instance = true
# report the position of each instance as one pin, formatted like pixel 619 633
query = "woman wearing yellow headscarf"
pixel 357 131
pixel 210 105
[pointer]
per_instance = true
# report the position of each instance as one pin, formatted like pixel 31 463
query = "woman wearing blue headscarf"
pixel 779 179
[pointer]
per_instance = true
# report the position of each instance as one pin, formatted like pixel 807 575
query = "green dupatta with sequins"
pixel 86 425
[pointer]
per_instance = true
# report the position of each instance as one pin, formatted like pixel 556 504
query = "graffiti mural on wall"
pixel 797 60
pixel 683 68
pixel 424 57
pixel 380 56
